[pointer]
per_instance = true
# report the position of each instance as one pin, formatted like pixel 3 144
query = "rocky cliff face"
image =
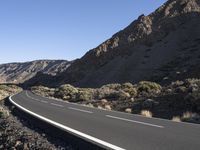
pixel 162 46
pixel 20 72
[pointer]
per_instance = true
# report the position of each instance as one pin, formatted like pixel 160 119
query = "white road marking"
pixel 134 121
pixel 80 110
pixel 73 131
pixel 56 105
pixel 124 113
pixel 31 97
pixel 35 98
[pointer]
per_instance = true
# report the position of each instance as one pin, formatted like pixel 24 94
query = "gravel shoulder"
pixel 20 133
pixel 19 130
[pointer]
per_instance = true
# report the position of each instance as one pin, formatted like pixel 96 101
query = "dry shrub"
pixel 108 107
pixel 43 91
pixel 190 117
pixel 85 94
pixel 129 88
pixel 192 81
pixel 176 119
pixel 66 92
pixel 90 105
pixel 146 86
pixel 114 86
pixel 104 101
pixel 107 93
pixel 4 113
pixel 146 113
pixel 128 110
pixel 7 90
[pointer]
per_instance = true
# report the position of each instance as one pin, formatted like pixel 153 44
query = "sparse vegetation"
pixel 44 91
pixel 108 107
pixel 145 98
pixel 146 86
pixel 85 94
pixel 176 119
pixel 129 88
pixel 146 113
pixel 3 113
pixel 112 86
pixel 128 110
pixel 7 90
pixel 191 117
pixel 66 92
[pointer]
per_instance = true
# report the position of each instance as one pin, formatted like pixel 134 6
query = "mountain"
pixel 163 46
pixel 20 72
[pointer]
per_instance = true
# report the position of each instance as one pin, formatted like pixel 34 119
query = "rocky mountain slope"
pixel 163 46
pixel 20 72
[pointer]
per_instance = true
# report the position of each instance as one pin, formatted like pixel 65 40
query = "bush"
pixel 106 93
pixel 122 95
pixel 66 92
pixel 3 113
pixel 193 81
pixel 146 113
pixel 3 87
pixel 108 107
pixel 177 83
pixel 112 86
pixel 191 117
pixel 6 90
pixel 85 94
pixel 128 88
pixel 128 110
pixel 117 91
pixel 146 86
pixel 127 85
pixel 193 85
pixel 43 91
pixel 176 119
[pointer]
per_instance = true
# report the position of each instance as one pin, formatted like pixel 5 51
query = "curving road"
pixel 109 129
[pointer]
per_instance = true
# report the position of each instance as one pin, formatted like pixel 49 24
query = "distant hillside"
pixel 20 72
pixel 163 46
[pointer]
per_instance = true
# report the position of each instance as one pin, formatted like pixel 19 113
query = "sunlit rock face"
pixel 20 72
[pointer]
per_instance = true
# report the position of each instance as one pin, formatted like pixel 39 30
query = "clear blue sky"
pixel 63 29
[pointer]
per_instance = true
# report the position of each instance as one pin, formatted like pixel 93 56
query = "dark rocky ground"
pixel 19 131
pixel 16 134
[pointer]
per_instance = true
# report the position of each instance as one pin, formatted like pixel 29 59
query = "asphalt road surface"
pixel 110 129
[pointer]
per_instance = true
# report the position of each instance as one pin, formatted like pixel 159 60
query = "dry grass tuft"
pixel 108 107
pixel 128 110
pixel 146 113
pixel 187 115
pixel 176 119
pixel 4 113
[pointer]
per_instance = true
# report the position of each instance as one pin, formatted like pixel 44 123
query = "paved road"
pixel 111 130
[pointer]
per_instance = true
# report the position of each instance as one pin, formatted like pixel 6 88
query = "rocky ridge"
pixel 20 72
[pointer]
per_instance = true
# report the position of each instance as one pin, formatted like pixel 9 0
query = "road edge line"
pixel 134 121
pixel 73 131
